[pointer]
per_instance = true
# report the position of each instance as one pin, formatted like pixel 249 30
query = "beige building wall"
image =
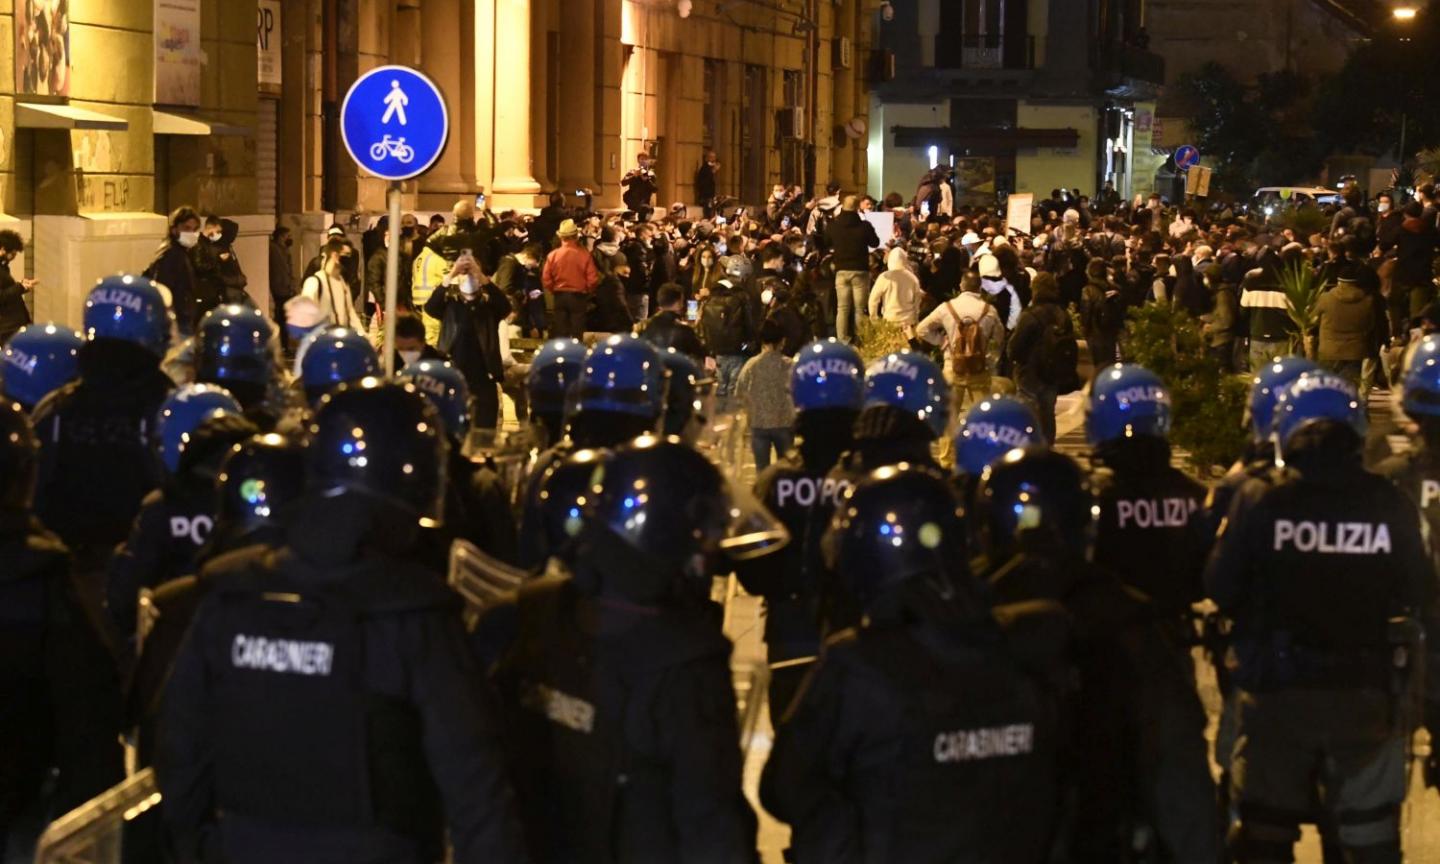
pixel 1040 169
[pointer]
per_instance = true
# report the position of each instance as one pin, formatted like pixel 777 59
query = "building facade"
pixel 1019 95
pixel 113 112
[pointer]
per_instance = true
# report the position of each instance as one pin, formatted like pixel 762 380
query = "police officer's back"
pixel 196 428
pixel 58 684
pixel 95 465
pixel 324 706
pixel 1151 531
pixel 1312 569
pixel 924 734
pixel 827 387
pixel 1136 748
pixel 616 679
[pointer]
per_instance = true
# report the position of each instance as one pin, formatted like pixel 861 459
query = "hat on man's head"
pixel 989 266
pixel 567 229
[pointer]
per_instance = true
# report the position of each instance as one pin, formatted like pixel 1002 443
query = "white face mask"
pixel 188 239
pixel 468 286
pixel 767 297
pixel 410 357
pixel 1383 206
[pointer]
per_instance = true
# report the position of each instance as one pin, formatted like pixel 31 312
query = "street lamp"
pixel 1404 13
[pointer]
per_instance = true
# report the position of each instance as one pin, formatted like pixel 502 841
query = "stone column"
pixel 577 95
pixel 441 58
pixel 514 183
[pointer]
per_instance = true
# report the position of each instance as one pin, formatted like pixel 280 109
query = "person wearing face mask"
pixel 14 314
pixel 519 278
pixel 470 310
pixel 705 272
pixel 410 344
pixel 174 267
pixel 1387 223
pixel 218 275
pixel 282 269
pixel 329 289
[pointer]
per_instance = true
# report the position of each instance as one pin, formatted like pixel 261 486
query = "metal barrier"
pixel 92 833
pixel 751 689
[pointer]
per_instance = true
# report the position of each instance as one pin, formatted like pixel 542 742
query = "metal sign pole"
pixel 392 278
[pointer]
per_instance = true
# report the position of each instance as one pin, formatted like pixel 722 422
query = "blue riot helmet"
pixel 564 492
pixel 1035 500
pixel 619 394
pixel 383 441
pixel 1124 402
pixel 258 480
pixel 827 374
pixel 444 386
pixel 19 458
pixel 128 309
pixel 1420 387
pixel 39 360
pixel 687 396
pixel 328 358
pixel 664 520
pixel 913 384
pixel 182 413
pixel 556 366
pixel 235 348
pixel 991 428
pixel 897 525
pixel 1265 389
pixel 1313 399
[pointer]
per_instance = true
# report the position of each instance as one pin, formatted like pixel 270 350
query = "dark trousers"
pixel 570 310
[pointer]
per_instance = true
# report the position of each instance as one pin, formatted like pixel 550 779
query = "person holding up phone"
pixel 669 328
pixel 470 309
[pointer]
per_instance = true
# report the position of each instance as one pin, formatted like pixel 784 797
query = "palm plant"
pixel 1302 287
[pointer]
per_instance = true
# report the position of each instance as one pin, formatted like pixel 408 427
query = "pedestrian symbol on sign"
pixel 395 104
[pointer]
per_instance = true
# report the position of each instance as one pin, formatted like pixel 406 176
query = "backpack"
pixel 969 348
pixel 1059 354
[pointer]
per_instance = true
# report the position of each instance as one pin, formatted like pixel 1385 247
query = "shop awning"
pixel 167 123
pixel 40 115
pixel 985 140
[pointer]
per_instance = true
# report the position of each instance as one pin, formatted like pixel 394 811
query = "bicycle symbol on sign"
pixel 396 147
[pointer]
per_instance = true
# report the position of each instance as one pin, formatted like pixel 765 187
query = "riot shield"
pixel 92 833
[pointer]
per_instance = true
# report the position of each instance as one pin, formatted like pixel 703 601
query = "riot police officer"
pixel 1312 568
pixel 1258 461
pixel 95 462
pixel 323 706
pixel 1151 531
pixel 39 360
pixel 906 407
pixel 259 478
pixel 236 348
pixel 616 677
pixel 618 396
pixel 827 385
pixel 176 519
pixel 918 734
pixel 990 429
pixel 331 357
pixel 476 508
pixel 1417 474
pixel 1138 770
pixel 57 680
pixel 556 365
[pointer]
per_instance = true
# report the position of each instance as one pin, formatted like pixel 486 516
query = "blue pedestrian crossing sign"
pixel 1186 156
pixel 394 122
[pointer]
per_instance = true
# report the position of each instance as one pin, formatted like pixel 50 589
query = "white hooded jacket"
pixel 895 296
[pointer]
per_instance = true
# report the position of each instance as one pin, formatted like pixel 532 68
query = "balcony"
pixel 985 51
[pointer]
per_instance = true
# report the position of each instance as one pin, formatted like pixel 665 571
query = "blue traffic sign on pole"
pixel 1186 156
pixel 394 122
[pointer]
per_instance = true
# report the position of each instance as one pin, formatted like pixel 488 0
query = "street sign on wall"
pixel 1186 156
